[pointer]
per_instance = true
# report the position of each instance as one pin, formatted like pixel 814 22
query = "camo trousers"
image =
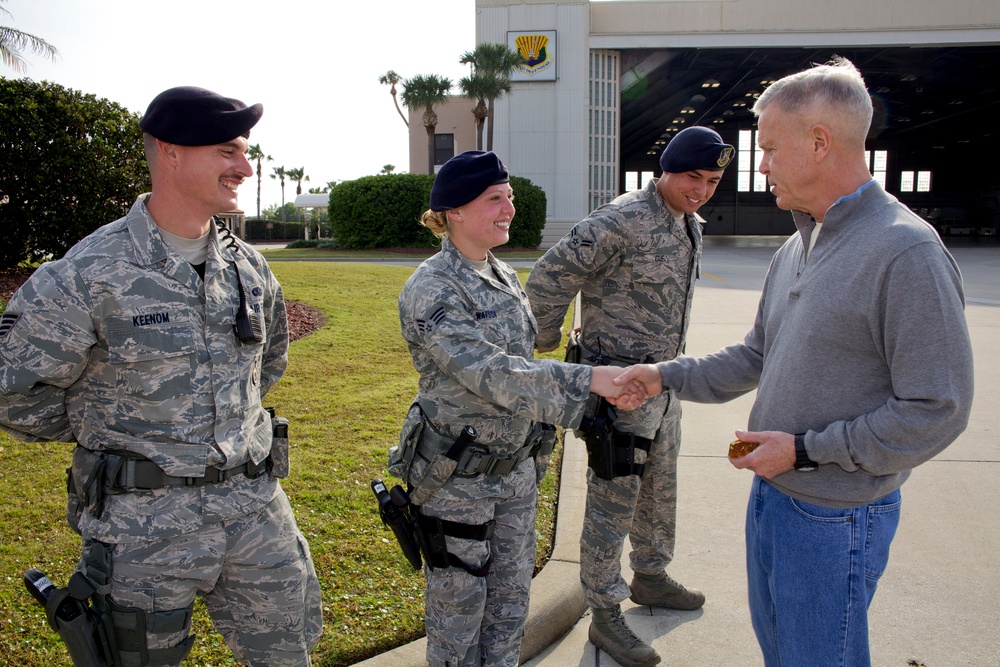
pixel 254 573
pixel 644 510
pixel 479 621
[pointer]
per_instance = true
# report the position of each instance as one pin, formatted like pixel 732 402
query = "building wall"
pixel 788 22
pixel 454 117
pixel 542 126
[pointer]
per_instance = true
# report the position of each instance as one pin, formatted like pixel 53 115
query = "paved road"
pixel 740 262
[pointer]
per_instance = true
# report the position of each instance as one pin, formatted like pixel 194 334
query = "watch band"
pixel 802 461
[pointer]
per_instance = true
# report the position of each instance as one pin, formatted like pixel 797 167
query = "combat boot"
pixel 609 632
pixel 659 590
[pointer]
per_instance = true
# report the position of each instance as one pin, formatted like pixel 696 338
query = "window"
pixel 906 181
pixel 636 180
pixel 877 161
pixel 747 162
pixel 444 148
pixel 923 181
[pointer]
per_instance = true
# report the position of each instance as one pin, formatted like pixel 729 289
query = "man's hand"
pixel 647 375
pixel 774 455
pixel 623 395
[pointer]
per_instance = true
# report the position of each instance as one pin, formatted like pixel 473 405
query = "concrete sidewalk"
pixel 938 603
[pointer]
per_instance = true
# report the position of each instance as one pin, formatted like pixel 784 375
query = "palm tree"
pixel 494 62
pixel 298 175
pixel 476 86
pixel 280 174
pixel 255 153
pixel 424 91
pixel 390 79
pixel 13 42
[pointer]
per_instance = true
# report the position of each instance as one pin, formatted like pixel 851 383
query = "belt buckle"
pixel 471 460
pixel 255 470
pixel 507 464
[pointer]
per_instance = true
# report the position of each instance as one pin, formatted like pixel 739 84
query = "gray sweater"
pixel 864 348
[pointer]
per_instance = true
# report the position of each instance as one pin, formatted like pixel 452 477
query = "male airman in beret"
pixel 635 260
pixel 152 343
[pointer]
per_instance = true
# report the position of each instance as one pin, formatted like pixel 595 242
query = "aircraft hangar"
pixel 622 77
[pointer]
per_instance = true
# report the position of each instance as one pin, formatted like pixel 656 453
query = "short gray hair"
pixel 836 86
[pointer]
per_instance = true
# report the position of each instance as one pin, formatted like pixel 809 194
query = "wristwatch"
pixel 802 461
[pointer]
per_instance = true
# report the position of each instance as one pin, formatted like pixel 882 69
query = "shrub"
pixel 381 212
pixel 302 243
pixel 530 201
pixel 384 212
pixel 257 230
pixel 69 163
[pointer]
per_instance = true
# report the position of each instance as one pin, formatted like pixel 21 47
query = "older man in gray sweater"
pixel 862 363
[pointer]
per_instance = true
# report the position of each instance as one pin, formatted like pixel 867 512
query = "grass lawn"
pixel 346 391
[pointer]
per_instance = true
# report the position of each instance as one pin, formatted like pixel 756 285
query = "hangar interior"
pixel 934 139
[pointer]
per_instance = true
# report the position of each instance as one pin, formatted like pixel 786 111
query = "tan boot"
pixel 659 590
pixel 609 632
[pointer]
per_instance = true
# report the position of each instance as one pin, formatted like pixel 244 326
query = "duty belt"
pixel 476 459
pixel 128 473
pixel 592 358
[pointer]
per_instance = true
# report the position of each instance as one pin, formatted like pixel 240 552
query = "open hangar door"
pixel 934 141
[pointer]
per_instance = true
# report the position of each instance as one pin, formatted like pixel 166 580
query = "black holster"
pixel 99 633
pixel 79 612
pixel 610 452
pixel 81 629
pixel 420 535
pixel 395 511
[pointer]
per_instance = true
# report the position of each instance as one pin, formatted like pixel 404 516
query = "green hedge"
pixel 381 212
pixel 257 230
pixel 530 202
pixel 384 212
pixel 69 163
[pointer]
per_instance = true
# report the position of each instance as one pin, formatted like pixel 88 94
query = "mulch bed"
pixel 302 319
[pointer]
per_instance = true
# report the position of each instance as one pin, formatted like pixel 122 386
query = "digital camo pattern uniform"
pixel 121 346
pixel 635 266
pixel 472 342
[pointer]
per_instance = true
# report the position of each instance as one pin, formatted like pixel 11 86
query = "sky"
pixel 313 64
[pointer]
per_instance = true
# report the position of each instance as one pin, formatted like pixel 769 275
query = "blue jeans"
pixel 811 574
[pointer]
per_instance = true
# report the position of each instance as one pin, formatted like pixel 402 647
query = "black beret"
pixel 464 177
pixel 192 116
pixel 696 148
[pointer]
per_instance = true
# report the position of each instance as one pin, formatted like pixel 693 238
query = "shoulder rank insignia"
pixel 576 241
pixel 7 323
pixel 426 327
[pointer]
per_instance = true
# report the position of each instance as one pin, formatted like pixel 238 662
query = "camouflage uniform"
pixel 121 346
pixel 472 341
pixel 636 267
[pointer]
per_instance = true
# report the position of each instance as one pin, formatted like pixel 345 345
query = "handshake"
pixel 626 388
